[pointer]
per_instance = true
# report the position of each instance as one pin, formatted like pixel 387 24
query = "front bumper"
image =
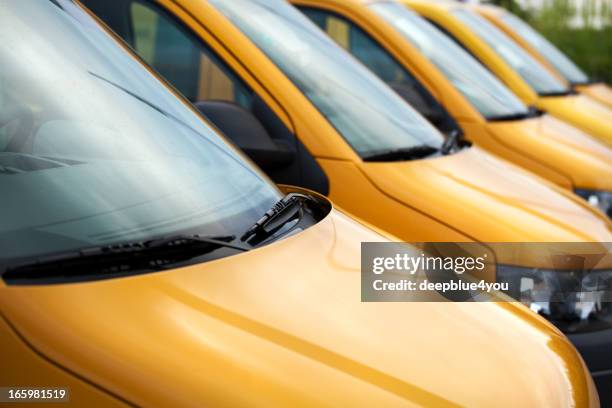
pixel 596 350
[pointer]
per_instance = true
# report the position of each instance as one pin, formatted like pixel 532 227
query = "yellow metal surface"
pixel 582 112
pixel 284 326
pixel 600 92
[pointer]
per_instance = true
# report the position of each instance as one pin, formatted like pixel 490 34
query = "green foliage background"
pixel 589 46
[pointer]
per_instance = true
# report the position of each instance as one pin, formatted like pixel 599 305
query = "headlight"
pixel 598 199
pixel 574 301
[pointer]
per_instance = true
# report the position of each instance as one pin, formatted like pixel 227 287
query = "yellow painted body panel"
pixel 546 146
pixel 283 325
pixel 23 366
pixel 598 91
pixel 557 146
pixel 583 112
pixel 474 185
pixel 590 116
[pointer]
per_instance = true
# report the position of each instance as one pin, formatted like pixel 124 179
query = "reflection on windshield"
pixel 371 117
pixel 479 86
pixel 94 151
pixel 553 55
pixel 542 81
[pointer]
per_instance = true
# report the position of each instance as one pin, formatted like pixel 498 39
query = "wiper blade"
pixel 409 153
pixel 535 112
pixel 214 242
pixel 117 259
pixel 588 81
pixel 452 141
pixel 509 117
pixel 287 209
pixel 532 112
pixel 565 92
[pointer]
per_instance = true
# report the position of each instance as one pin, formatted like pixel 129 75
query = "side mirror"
pixel 243 128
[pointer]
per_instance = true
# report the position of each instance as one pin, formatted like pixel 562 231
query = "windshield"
pixel 370 116
pixel 553 55
pixel 95 151
pixel 542 81
pixel 488 95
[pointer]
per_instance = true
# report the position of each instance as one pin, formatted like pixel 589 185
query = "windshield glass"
pixel 95 151
pixel 553 55
pixel 488 95
pixel 370 116
pixel 542 81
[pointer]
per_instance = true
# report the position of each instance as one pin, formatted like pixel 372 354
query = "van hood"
pixel 284 325
pixel 583 159
pixel 490 199
pixel 582 112
pixel 600 91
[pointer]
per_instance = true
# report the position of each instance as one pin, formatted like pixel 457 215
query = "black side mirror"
pixel 243 128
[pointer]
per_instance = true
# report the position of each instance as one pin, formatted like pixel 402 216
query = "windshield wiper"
pixel 532 112
pixel 407 153
pixel 588 81
pixel 535 112
pixel 117 259
pixel 287 209
pixel 509 117
pixel 452 141
pixel 565 92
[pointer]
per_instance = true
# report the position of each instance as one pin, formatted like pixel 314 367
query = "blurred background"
pixel 580 28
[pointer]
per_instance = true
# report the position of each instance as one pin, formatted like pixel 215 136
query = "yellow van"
pixel 546 52
pixel 426 67
pixel 523 74
pixel 100 162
